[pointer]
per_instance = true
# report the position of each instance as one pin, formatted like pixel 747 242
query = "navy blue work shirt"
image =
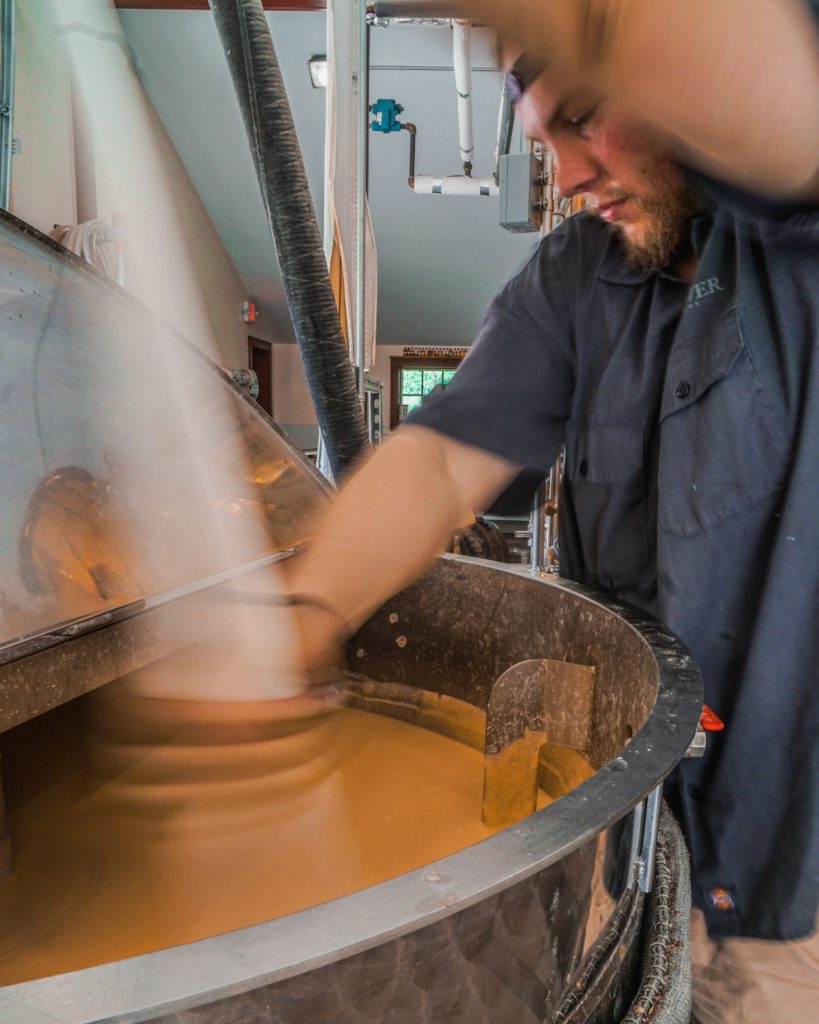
pixel 690 418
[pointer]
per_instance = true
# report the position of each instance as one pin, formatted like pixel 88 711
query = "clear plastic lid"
pixel 130 463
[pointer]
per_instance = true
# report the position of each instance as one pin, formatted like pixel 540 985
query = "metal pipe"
pixel 553 491
pixel 361 196
pixel 257 79
pixel 462 64
pixel 408 126
pixel 7 100
pixel 537 562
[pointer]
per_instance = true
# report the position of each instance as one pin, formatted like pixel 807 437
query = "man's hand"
pixel 388 523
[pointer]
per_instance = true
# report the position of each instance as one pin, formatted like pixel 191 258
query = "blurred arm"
pixel 735 81
pixel 387 524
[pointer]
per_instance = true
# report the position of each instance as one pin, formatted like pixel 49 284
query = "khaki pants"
pixel 747 981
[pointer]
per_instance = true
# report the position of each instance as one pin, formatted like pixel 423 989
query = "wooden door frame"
pixel 265 346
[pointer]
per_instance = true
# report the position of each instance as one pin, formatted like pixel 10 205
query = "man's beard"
pixel 666 241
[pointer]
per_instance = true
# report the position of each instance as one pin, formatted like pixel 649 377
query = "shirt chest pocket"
pixel 723 446
pixel 605 526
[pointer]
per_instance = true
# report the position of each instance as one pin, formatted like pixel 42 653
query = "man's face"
pixel 623 169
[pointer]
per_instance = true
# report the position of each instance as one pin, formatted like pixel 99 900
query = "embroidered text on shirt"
pixel 702 290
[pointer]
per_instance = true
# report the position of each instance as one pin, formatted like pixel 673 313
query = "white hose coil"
pixel 94 241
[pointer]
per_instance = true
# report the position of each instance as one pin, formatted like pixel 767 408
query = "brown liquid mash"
pixel 159 844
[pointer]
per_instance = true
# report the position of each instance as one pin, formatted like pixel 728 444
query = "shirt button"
pixel 683 389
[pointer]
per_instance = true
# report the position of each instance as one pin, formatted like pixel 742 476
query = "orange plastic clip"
pixel 710 721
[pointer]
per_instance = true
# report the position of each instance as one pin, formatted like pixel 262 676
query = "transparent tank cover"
pixel 130 464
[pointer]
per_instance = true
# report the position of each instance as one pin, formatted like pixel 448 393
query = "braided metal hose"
pixel 664 996
pixel 268 120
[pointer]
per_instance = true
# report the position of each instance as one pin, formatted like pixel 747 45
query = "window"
pixel 412 380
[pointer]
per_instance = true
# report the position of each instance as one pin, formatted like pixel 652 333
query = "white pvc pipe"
pixel 462 62
pixel 429 184
pixel 361 198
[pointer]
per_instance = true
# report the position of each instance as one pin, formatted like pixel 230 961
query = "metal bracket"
pixel 698 744
pixel 644 840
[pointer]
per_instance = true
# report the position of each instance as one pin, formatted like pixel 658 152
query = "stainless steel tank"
pixel 541 922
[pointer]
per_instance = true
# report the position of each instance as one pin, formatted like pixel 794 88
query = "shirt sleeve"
pixel 512 394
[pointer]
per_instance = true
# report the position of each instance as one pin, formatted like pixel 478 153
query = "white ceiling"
pixel 440 260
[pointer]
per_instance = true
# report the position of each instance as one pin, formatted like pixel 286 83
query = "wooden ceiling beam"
pixel 202 5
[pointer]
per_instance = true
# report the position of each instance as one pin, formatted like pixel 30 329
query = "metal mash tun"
pixel 109 566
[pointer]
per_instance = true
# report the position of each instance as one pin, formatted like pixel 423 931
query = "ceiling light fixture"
pixel 318 71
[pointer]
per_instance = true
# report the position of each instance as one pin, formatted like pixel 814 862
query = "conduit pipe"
pixel 506 126
pixel 462 64
pixel 257 79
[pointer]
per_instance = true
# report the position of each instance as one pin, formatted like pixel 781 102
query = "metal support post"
pixel 6 100
pixel 644 865
pixel 538 530
pixel 552 493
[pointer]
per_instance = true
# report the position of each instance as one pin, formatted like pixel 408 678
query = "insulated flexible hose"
pixel 259 86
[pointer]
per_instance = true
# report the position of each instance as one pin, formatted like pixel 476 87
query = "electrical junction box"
pixel 520 192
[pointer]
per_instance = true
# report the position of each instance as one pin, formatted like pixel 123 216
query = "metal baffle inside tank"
pixel 533 703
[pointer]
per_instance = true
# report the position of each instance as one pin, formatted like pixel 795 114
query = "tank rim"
pixel 233 963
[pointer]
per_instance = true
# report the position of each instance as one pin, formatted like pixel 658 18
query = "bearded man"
pixel 669 340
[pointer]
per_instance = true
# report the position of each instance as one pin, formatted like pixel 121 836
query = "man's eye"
pixel 584 118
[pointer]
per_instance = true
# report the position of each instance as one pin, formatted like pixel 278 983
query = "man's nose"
pixel 575 171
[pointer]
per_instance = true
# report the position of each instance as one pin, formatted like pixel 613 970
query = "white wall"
pixel 291 399
pixel 88 130
pixel 292 407
pixel 43 189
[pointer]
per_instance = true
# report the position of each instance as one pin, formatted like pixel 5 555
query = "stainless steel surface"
pixel 496 932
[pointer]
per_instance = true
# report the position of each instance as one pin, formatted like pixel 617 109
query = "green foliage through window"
pixel 416 383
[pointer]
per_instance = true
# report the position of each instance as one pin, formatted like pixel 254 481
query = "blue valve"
pixel 386 116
